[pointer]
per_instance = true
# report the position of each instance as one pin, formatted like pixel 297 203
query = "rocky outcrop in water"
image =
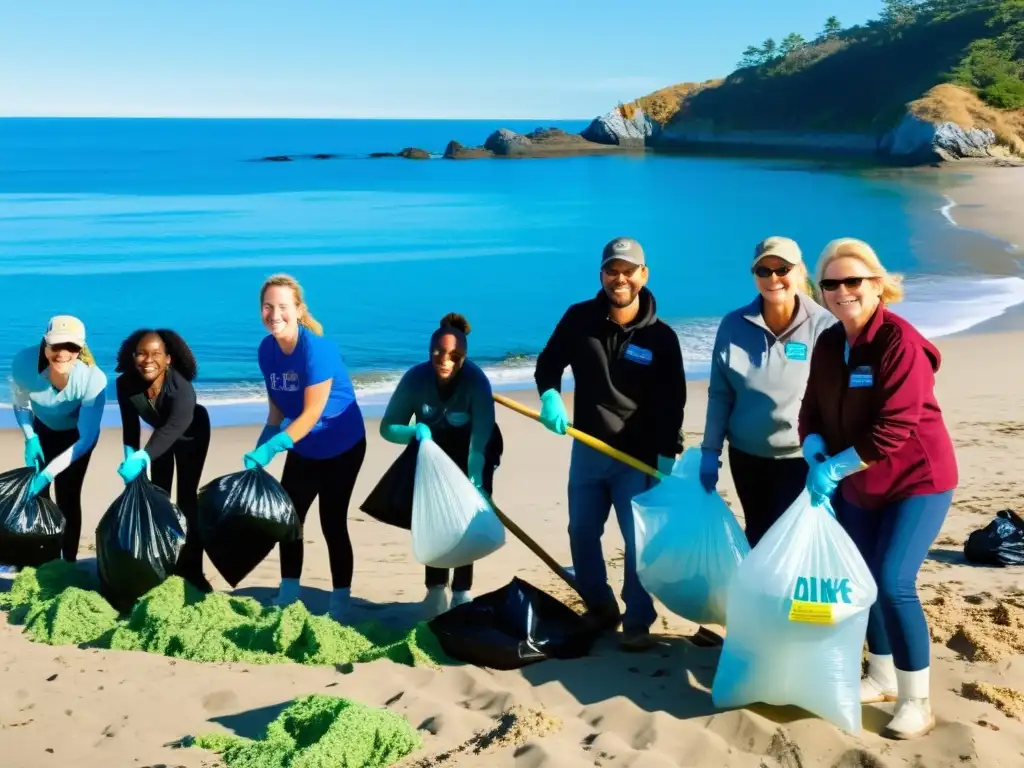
pixel 615 128
pixel 456 151
pixel 915 139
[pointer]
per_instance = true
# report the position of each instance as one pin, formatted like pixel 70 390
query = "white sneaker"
pixel 880 683
pixel 913 715
pixel 461 598
pixel 436 601
pixel 287 593
pixel 338 607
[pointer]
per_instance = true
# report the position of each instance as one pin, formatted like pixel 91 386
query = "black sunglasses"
pixel 850 282
pixel 65 346
pixel 762 271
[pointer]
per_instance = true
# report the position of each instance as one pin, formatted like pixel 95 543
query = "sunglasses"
pixel 762 271
pixel 829 284
pixel 65 347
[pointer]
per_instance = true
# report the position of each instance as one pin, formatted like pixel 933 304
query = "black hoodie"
pixel 630 384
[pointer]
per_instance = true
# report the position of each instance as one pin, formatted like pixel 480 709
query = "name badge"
pixel 862 377
pixel 639 354
pixel 796 350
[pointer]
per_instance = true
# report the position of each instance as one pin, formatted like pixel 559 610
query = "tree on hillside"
pixel 769 50
pixel 897 14
pixel 752 57
pixel 832 28
pixel 792 42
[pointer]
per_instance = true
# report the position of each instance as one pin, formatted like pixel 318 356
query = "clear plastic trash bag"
pixel 452 523
pixel 688 544
pixel 798 614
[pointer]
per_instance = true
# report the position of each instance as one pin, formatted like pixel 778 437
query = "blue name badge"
pixel 796 350
pixel 639 354
pixel 862 377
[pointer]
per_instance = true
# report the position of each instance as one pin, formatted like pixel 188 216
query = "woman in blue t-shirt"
pixel 308 385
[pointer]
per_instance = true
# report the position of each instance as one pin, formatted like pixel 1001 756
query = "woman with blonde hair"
pixel 59 394
pixel 308 384
pixel 759 370
pixel 871 427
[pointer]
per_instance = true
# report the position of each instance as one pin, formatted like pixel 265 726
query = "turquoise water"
pixel 131 223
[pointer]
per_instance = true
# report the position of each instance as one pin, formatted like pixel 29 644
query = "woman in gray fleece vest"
pixel 759 371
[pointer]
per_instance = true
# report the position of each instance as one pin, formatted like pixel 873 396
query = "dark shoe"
pixel 705 638
pixel 604 617
pixel 636 639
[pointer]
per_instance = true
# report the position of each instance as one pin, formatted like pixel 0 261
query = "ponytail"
pixel 306 319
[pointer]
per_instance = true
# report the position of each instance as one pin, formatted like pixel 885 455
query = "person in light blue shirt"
pixel 759 369
pixel 309 387
pixel 59 394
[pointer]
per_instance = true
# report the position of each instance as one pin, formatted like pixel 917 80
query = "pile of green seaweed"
pixel 58 603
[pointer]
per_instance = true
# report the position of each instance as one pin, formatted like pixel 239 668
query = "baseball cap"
pixel 624 249
pixel 780 247
pixel 65 329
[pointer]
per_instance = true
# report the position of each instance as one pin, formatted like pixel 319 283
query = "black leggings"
pixel 190 455
pixel 332 480
pixel 462 581
pixel 766 488
pixel 68 484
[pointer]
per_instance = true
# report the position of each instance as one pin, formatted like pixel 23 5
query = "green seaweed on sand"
pixel 58 604
pixel 319 731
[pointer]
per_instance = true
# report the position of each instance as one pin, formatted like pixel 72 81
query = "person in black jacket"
pixel 157 369
pixel 630 392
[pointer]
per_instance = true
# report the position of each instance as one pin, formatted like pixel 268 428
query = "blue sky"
pixel 376 58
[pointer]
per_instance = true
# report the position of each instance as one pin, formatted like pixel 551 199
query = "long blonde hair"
pixel 84 354
pixel 306 319
pixel 892 283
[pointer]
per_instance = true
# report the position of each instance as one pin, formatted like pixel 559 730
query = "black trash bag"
pixel 390 501
pixel 1001 542
pixel 138 541
pixel 512 627
pixel 242 517
pixel 31 529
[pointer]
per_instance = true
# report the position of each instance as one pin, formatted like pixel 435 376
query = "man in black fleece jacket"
pixel 630 392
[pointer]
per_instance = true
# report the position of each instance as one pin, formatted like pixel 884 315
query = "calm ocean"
pixel 130 223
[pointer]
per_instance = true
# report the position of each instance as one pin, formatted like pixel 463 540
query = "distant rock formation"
pixel 915 139
pixel 615 128
pixel 410 153
pixel 456 151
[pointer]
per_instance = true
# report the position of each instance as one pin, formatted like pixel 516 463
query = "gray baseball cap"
pixel 623 249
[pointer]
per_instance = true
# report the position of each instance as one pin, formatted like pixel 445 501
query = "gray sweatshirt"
pixel 758 380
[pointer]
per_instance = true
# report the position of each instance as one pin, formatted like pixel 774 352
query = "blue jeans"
pixel 596 484
pixel 894 542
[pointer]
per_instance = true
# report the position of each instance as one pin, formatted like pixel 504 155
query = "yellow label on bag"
pixel 811 613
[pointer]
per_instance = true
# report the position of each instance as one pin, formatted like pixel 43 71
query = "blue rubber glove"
pixel 708 471
pixel 814 449
pixel 128 451
pixel 269 430
pixel 133 466
pixel 825 476
pixel 552 412
pixel 34 453
pixel 423 432
pixel 476 469
pixel 666 464
pixel 263 455
pixel 39 482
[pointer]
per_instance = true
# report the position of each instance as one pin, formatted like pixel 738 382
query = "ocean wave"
pixel 947 213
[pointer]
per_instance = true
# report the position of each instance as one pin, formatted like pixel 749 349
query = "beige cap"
pixel 780 247
pixel 623 249
pixel 65 329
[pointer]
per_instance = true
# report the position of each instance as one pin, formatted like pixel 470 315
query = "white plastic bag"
pixel 688 544
pixel 452 523
pixel 798 614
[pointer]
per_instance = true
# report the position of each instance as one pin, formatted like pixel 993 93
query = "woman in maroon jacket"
pixel 870 425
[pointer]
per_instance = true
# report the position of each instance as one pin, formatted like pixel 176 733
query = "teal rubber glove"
pixel 666 464
pixel 825 476
pixel 814 449
pixel 128 451
pixel 269 430
pixel 708 472
pixel 40 480
pixel 34 453
pixel 476 469
pixel 265 453
pixel 552 412
pixel 133 466
pixel 423 432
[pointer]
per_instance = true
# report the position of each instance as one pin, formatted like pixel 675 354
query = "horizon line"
pixel 280 117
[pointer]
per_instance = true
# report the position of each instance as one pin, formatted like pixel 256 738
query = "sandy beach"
pixel 68 706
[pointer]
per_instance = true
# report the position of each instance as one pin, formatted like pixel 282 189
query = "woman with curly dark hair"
pixel 450 398
pixel 157 369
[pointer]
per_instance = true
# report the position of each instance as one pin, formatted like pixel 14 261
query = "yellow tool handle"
pixel 583 437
